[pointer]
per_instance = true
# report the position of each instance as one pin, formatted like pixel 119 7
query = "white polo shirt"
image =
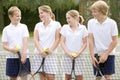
pixel 102 34
pixel 14 35
pixel 73 39
pixel 47 34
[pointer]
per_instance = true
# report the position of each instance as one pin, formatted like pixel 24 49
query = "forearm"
pixel 91 45
pixel 7 48
pixel 83 48
pixel 24 47
pixel 64 48
pixel 54 46
pixel 57 40
pixel 38 46
pixel 112 45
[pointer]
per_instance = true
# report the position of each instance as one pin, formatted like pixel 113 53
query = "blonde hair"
pixel 45 8
pixel 12 9
pixel 53 16
pixel 100 6
pixel 75 14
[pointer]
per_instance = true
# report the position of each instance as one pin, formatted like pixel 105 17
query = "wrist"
pixel 92 56
pixel 106 53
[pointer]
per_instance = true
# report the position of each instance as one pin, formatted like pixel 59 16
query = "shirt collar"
pixel 96 21
pixel 49 23
pixel 78 27
pixel 14 25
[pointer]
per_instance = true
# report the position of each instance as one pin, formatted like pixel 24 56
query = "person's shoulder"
pixel 55 22
pixel 91 20
pixel 111 20
pixel 38 24
pixel 22 24
pixel 81 26
pixel 65 26
pixel 6 27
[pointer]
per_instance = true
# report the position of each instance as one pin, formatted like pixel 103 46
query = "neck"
pixel 74 26
pixel 14 23
pixel 102 19
pixel 46 22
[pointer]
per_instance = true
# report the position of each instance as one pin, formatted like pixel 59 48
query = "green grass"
pixel 31 34
pixel 0 34
pixel 119 35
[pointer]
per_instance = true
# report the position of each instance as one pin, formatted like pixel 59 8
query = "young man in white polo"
pixel 103 38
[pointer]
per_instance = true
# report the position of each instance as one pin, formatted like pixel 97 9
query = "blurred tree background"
pixel 30 14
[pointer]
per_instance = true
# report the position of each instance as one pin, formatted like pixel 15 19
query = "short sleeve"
pixel 85 32
pixel 90 26
pixel 4 35
pixel 114 29
pixel 26 32
pixel 58 25
pixel 63 30
pixel 37 26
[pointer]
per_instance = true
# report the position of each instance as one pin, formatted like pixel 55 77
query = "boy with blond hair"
pixel 15 34
pixel 103 38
